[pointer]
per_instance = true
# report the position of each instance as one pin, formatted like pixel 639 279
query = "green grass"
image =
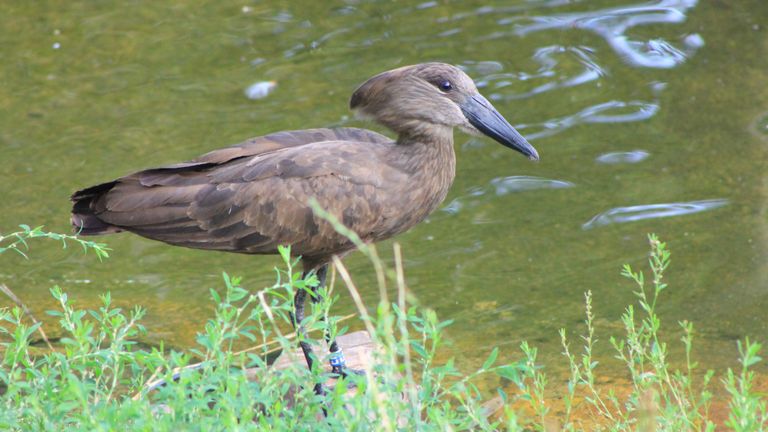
pixel 98 378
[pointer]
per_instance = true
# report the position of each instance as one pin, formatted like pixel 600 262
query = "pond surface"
pixel 649 117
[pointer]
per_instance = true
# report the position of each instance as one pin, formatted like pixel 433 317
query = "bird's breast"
pixel 417 195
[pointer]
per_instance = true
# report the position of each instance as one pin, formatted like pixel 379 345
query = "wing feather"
pixel 251 197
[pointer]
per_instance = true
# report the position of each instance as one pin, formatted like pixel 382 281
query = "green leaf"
pixel 502 394
pixel 510 372
pixel 285 253
pixel 491 358
pixel 215 296
pixel 419 348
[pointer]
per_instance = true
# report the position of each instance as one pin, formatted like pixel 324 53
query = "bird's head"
pixel 432 99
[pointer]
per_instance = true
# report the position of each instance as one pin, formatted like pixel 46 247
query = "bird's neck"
pixel 420 132
pixel 428 149
pixel 428 155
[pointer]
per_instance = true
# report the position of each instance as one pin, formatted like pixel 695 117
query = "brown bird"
pixel 252 197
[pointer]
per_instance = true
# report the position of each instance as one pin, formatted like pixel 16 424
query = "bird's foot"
pixel 345 372
pixel 339 366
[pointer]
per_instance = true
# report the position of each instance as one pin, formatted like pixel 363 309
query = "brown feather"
pixel 247 198
pixel 253 196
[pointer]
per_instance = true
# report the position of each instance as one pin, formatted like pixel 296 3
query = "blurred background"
pixel 649 117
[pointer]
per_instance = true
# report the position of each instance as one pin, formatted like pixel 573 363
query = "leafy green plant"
pixel 17 241
pixel 99 378
pixel 661 398
pixel 747 409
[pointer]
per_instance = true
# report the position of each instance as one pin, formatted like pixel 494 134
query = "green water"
pixel 91 91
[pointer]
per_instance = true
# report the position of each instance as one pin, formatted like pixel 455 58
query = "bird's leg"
pixel 306 348
pixel 338 364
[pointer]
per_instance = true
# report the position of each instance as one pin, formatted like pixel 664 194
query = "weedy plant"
pixel 17 241
pixel 98 378
pixel 660 398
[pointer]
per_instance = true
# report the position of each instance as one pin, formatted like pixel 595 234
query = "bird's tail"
pixel 84 219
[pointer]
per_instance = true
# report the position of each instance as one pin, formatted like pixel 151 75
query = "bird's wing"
pixel 252 197
pixel 263 145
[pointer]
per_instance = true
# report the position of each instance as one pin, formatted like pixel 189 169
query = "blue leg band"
pixel 337 359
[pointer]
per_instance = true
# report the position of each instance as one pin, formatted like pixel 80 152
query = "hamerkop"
pixel 252 197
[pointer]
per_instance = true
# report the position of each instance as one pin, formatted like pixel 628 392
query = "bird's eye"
pixel 446 86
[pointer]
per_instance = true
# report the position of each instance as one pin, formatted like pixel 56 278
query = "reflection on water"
pixel 612 25
pixel 503 186
pixel 652 211
pixel 609 112
pixel 547 58
pixel 629 157
pixel 507 9
pixel 260 89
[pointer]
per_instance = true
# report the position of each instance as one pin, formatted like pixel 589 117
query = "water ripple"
pixel 612 24
pixel 652 211
pixel 629 157
pixel 600 113
pixel 502 186
pixel 486 10
pixel 546 57
pixel 477 68
pixel 505 185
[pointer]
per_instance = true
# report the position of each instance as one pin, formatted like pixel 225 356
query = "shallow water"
pixel 649 117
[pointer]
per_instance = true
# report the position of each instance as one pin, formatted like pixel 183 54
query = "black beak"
pixel 482 115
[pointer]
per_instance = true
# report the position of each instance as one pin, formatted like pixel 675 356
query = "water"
pixel 634 156
pixel 649 117
pixel 652 211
